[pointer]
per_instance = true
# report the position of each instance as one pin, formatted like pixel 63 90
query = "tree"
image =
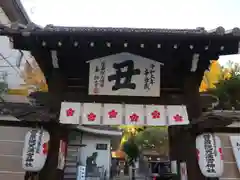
pixel 33 77
pixel 3 85
pixel 227 89
pixel 128 131
pixel 128 144
pixel 155 138
pixel 131 150
pixel 211 77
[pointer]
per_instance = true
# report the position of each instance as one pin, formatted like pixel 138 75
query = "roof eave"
pixel 15 11
pixel 99 131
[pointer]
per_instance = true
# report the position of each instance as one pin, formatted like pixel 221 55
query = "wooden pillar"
pixel 56 85
pixel 182 141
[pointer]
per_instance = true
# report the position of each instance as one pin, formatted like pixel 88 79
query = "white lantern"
pixel 35 150
pixel 209 154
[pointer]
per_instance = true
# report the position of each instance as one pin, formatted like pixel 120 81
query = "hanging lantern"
pixel 209 155
pixel 35 150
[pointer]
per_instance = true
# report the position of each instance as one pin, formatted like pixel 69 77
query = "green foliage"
pixel 3 85
pixel 153 138
pixel 131 149
pixel 228 89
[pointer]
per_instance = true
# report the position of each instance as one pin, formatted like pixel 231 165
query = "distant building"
pixel 12 61
pixel 11 138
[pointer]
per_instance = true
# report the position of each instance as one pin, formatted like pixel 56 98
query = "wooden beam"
pixel 15 11
pixel 182 141
pixel 166 98
pixel 223 130
pixel 19 123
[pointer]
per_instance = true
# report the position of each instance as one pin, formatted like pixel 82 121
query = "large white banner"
pixel 235 141
pixel 124 74
pixel 122 114
pixel 183 171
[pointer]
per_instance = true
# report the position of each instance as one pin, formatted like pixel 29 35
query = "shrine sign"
pixel 124 74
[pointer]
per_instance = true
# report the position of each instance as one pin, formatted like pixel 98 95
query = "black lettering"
pixel 149 78
pixel 28 164
pixel 31 149
pixel 146 79
pixel 152 77
pixel 102 74
pixel 121 75
pixel 39 142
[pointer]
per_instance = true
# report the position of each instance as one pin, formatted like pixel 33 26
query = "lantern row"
pixel 122 114
pixel 125 45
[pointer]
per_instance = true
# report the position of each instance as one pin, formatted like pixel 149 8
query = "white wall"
pixel 230 167
pixel 11 145
pixel 104 156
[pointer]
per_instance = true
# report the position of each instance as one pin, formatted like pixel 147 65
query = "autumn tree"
pixel 227 89
pixel 211 76
pixel 33 77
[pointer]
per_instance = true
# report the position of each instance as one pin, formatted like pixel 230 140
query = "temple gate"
pixel 179 56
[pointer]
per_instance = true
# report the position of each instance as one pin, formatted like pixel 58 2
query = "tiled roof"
pixel 219 30
pixel 15 11
pixel 61 29
pixel 111 29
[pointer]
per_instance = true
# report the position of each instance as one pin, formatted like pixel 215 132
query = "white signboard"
pixel 35 150
pixel 61 154
pixel 81 173
pixel 209 155
pixel 174 167
pixel 124 74
pixel 235 141
pixel 183 171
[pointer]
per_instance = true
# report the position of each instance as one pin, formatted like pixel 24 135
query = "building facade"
pixel 13 61
pixel 231 170
pixel 12 64
pixel 11 138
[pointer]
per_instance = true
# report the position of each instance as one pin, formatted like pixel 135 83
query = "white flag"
pixel 70 113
